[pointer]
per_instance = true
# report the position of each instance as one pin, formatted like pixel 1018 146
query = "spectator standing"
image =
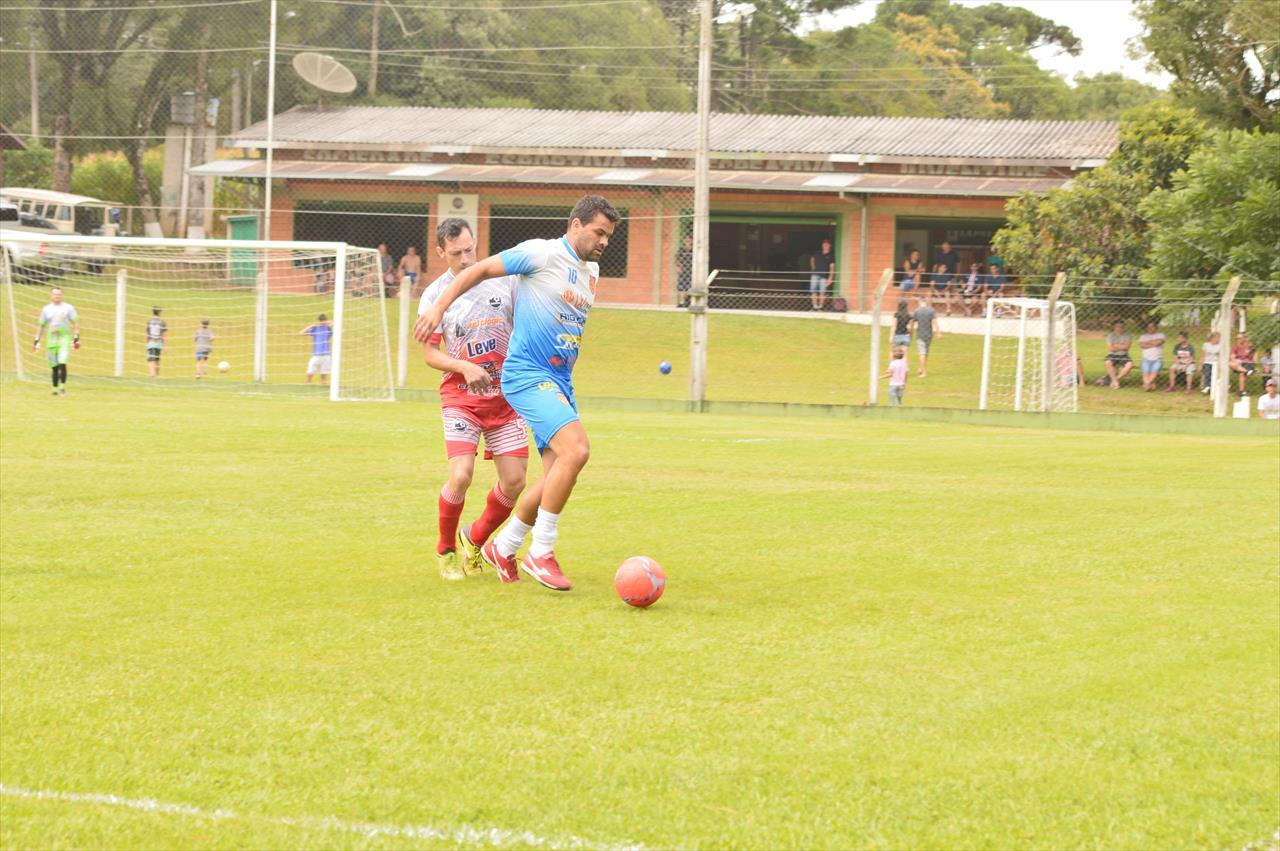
pixel 1152 344
pixel 204 347
pixel 1117 361
pixel 822 273
pixel 410 268
pixel 972 288
pixel 1269 402
pixel 386 269
pixel 684 271
pixel 897 375
pixel 924 319
pixel 947 258
pixel 994 260
pixel 1209 360
pixel 912 269
pixel 1184 362
pixel 1243 357
pixel 321 333
pixel 157 333
pixel 901 326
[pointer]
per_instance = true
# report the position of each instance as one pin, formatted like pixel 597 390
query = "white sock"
pixel 544 533
pixel 512 536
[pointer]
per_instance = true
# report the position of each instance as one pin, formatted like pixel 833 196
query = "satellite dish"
pixel 324 72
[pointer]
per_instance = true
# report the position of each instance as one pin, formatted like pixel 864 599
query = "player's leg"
pixel 462 435
pixel 498 506
pixel 63 356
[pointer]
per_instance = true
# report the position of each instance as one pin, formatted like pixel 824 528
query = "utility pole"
pixel 701 218
pixel 35 83
pixel 373 49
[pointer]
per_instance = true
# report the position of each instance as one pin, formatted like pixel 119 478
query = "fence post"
pixel 121 278
pixel 7 269
pixel 339 300
pixel 402 349
pixel 873 391
pixel 1046 391
pixel 698 342
pixel 1222 370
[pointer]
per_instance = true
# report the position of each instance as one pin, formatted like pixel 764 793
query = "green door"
pixel 244 264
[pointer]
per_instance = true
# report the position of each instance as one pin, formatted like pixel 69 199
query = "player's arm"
pixel 39 332
pixel 308 328
pixel 75 330
pixel 477 377
pixel 428 321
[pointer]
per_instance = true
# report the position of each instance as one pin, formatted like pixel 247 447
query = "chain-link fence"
pixel 402 114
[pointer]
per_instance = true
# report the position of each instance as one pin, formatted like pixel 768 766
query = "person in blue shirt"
pixel 555 289
pixel 321 362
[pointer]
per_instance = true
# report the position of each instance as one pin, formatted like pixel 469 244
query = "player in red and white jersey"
pixel 469 347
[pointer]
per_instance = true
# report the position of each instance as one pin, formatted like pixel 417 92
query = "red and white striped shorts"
pixel 463 429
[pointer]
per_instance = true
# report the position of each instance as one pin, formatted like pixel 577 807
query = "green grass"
pixel 750 358
pixel 876 634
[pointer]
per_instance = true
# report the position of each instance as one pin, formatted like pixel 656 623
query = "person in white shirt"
pixel 60 322
pixel 1209 360
pixel 1269 403
pixel 1152 345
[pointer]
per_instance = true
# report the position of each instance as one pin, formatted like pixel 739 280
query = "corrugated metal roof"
pixel 1063 142
pixel 789 181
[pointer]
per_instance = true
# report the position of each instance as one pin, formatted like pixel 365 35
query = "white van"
pixel 69 213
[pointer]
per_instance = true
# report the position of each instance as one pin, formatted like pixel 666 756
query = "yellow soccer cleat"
pixel 472 563
pixel 450 565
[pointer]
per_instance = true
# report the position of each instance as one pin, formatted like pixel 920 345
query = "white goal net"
pixel 257 311
pixel 1028 357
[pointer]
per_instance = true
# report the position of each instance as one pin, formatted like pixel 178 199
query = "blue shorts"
pixel 544 402
pixel 900 339
pixel 1151 367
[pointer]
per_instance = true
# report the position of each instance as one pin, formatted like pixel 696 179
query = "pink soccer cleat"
pixel 505 566
pixel 546 570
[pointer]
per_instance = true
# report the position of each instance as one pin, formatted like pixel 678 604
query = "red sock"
pixel 450 510
pixel 497 508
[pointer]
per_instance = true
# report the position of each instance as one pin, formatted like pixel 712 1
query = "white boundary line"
pixel 496 836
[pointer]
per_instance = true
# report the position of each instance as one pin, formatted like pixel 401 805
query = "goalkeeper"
pixel 60 326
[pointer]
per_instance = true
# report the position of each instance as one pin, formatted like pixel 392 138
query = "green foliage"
pixel 108 176
pixel 1093 228
pixel 32 168
pixel 1223 54
pixel 1107 96
pixel 1220 217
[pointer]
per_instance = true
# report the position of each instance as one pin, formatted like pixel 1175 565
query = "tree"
pixel 1106 96
pixel 1220 217
pixel 86 42
pixel 1093 228
pixel 1224 56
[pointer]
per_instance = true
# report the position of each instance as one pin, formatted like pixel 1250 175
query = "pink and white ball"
pixel 640 581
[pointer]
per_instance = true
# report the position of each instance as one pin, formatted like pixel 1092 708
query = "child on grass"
pixel 897 375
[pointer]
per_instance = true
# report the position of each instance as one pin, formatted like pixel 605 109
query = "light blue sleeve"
pixel 526 258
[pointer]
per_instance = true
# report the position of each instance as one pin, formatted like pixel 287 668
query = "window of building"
pixel 511 225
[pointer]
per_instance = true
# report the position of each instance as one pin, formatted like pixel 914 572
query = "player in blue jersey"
pixel 555 291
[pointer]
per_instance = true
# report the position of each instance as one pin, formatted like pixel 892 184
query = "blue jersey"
pixel 555 292
pixel 320 337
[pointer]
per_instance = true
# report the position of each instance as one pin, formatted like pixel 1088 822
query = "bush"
pixel 31 169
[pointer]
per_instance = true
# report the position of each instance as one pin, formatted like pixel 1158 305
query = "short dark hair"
pixel 204 321
pixel 155 311
pixel 451 229
pixel 590 206
pixel 322 318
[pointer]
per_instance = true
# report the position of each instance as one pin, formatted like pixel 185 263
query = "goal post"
pixel 249 303
pixel 1029 356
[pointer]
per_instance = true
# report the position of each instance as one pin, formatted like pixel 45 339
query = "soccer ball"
pixel 640 581
pixel 664 368
pixel 223 366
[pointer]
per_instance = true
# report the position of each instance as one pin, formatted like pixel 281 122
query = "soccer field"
pixel 223 612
